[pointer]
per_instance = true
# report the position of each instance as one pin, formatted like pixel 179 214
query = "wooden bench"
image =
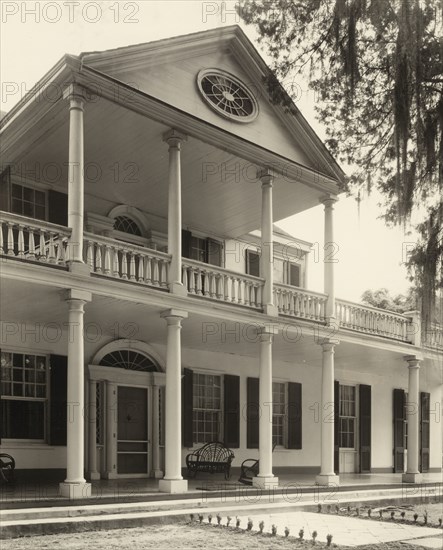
pixel 212 458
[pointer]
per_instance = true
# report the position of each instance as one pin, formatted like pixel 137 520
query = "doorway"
pixel 132 430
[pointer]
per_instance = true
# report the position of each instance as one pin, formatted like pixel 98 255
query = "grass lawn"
pixel 189 536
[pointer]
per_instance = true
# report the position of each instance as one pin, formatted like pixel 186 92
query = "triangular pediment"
pixel 168 70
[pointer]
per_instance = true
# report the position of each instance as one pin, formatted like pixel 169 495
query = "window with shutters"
pixel 278 413
pixel 207 400
pixel 348 416
pixel 29 202
pixel 24 395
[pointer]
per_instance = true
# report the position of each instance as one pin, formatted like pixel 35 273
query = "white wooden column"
pixel 265 478
pixel 330 259
pixel 327 475
pixel 266 177
pixel 75 485
pixel 75 95
pixel 111 430
pixel 412 474
pixel 156 470
pixel 92 425
pixel 174 139
pixel 173 481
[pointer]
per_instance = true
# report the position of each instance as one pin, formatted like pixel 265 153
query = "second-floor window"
pixel 292 274
pixel 27 201
pixel 252 263
pixel 202 249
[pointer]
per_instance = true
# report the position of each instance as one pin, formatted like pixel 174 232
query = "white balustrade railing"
pixel 299 302
pixel 124 261
pixel 432 336
pixel 33 240
pixel 372 320
pixel 221 284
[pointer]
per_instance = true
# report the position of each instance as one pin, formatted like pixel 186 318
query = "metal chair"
pixel 7 467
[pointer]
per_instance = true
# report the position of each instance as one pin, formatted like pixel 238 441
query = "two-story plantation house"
pixel 150 303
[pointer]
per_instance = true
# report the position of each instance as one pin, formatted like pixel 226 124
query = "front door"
pixel 132 430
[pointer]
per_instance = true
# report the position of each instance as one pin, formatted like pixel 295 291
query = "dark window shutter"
pixel 232 411
pixel 399 430
pixel 252 413
pixel 58 208
pixel 5 190
pixel 424 431
pixel 58 377
pixel 186 243
pixel 252 263
pixel 187 412
pixel 294 416
pixel 215 249
pixel 365 428
pixel 336 426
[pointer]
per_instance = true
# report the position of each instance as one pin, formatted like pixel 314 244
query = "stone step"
pixel 75 518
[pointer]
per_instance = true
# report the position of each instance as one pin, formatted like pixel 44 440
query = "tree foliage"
pixel 376 67
pixel 382 299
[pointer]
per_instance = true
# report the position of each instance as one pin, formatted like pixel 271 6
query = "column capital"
pixel 266 175
pixel 174 138
pixel 268 328
pixel 174 314
pixel 328 200
pixel 75 91
pixel 328 344
pixel 73 294
pixel 413 361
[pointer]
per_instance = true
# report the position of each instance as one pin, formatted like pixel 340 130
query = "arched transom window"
pixel 125 224
pixel 130 360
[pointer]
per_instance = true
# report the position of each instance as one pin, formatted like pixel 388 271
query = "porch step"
pixel 61 519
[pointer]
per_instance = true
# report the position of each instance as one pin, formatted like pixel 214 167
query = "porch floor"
pixel 35 493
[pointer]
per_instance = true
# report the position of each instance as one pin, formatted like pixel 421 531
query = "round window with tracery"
pixel 227 95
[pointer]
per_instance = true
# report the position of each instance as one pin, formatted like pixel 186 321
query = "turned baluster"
pixel 141 269
pixel 42 257
pixel 131 266
pixel 20 242
pixel 51 249
pixel 11 239
pixel 107 269
pixel 155 274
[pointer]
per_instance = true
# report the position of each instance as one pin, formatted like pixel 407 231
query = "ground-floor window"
pixel 278 413
pixel 206 407
pixel 348 413
pixel 24 395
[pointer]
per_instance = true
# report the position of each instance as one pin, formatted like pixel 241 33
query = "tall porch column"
pixel 76 96
pixel 173 481
pixel 75 485
pixel 329 259
pixel 266 177
pixel 412 474
pixel 327 475
pixel 174 139
pixel 156 470
pixel 265 478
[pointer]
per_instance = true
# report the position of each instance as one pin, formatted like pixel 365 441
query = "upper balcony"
pixel 42 243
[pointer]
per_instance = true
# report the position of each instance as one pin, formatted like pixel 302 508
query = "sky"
pixel 36 34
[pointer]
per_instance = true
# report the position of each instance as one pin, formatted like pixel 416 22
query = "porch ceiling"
pixel 107 318
pixel 127 163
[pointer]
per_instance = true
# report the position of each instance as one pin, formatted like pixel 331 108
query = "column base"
pixel 327 480
pixel 110 475
pixel 75 490
pixel 158 474
pixel 173 485
pixel 412 478
pixel 265 482
pixel 271 310
pixel 177 288
pixel 79 268
pixel 94 476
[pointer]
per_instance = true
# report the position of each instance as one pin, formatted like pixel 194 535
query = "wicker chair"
pixel 212 458
pixel 7 467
